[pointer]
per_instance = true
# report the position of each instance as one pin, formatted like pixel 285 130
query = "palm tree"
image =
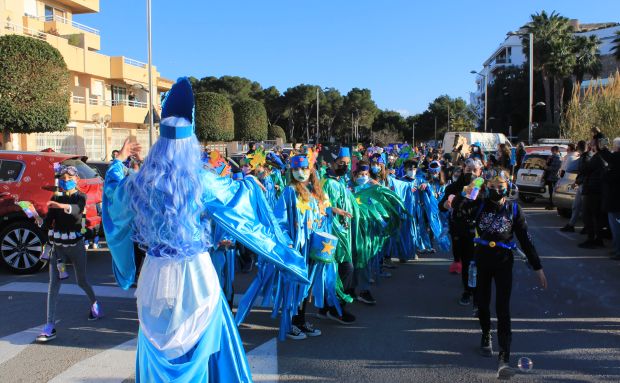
pixel 616 48
pixel 587 55
pixel 553 53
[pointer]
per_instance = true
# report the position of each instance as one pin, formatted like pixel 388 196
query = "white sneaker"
pixel 504 371
pixel 296 333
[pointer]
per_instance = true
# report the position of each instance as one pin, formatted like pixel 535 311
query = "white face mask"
pixel 301 175
pixel 411 173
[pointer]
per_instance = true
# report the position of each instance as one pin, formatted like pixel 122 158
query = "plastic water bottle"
pixel 472 274
pixel 62 270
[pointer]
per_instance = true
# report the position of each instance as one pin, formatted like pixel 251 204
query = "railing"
pixel 61 19
pixel 79 100
pixel 26 31
pixel 135 104
pixel 96 101
pixel 133 62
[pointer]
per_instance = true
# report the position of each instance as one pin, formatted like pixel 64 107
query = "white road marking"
pixel 68 289
pixel 263 362
pixel 13 344
pixel 110 366
pixel 119 363
pixel 565 235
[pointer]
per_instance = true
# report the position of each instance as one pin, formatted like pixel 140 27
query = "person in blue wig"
pixel 304 210
pixel 187 333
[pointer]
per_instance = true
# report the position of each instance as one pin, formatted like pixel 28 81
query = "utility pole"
pixel 150 68
pixel 529 130
pixel 317 116
pixel 412 134
pixel 435 130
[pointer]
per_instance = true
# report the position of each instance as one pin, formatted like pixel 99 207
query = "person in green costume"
pixel 340 197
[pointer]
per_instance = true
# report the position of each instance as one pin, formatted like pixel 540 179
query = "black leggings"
pixel 463 251
pixel 501 271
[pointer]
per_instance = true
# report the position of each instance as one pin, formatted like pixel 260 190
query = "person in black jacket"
pixel 462 230
pixel 65 223
pixel 591 173
pixel 552 172
pixel 497 221
pixel 611 191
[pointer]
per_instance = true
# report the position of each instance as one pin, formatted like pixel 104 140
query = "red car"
pixel 30 176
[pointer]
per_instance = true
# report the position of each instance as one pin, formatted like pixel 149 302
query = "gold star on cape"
pixel 327 247
pixel 303 206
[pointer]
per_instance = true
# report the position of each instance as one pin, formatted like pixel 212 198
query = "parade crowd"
pixel 320 229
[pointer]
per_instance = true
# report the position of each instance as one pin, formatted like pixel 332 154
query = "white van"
pixel 488 141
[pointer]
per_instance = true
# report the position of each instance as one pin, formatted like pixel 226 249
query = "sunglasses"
pixel 496 174
pixel 70 170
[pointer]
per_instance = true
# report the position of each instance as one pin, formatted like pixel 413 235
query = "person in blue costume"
pixel 187 333
pixel 436 189
pixel 223 251
pixel 302 210
pixel 406 187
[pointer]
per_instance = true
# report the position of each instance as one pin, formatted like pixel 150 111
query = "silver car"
pixel 566 189
pixel 531 176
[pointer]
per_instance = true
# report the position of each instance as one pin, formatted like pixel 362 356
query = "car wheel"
pixel 526 198
pixel 566 213
pixel 21 244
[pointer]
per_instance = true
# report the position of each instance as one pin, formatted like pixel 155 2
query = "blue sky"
pixel 406 51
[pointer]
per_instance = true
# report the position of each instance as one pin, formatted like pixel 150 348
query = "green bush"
pixel 250 121
pixel 34 86
pixel 214 117
pixel 276 131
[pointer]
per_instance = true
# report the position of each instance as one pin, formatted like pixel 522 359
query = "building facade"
pixel 109 94
pixel 510 53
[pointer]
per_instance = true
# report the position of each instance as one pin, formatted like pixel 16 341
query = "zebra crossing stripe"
pixel 67 289
pixel 13 344
pixel 111 366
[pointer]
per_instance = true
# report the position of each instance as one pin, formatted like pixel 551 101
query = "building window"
pixel 62 142
pixel 118 138
pixel 55 14
pixel 142 137
pixel 94 143
pixel 119 95
pixel 10 171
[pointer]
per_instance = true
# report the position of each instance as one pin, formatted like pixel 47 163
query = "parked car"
pixel 29 176
pixel 565 190
pixel 530 178
pixel 101 167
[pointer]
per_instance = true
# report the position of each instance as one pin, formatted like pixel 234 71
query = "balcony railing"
pixel 133 62
pixel 79 100
pixel 135 104
pixel 79 26
pixel 96 101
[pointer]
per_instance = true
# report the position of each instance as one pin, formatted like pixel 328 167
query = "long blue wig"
pixel 166 192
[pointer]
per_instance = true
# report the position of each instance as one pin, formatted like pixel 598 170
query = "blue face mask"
pixel 375 169
pixel 67 185
pixel 362 180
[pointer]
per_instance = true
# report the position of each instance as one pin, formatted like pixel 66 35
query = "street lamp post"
pixel 531 75
pixel 150 68
pixel 316 140
pixel 486 95
pixel 412 134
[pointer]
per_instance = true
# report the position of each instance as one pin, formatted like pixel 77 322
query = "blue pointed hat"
pixel 179 102
pixel 344 152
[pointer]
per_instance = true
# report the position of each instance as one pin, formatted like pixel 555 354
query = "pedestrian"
pixel 497 222
pixel 462 229
pixel 304 213
pixel 611 191
pixel 340 196
pixel 551 175
pixel 114 154
pixel 503 157
pixel 187 332
pixel 573 162
pixel 64 222
pixel 592 171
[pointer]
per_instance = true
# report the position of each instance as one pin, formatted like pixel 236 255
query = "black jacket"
pixel 611 181
pixel 591 172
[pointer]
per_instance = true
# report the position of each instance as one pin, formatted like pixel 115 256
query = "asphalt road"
pixel 417 332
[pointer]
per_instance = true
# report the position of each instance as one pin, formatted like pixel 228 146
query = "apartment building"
pixel 510 53
pixel 109 99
